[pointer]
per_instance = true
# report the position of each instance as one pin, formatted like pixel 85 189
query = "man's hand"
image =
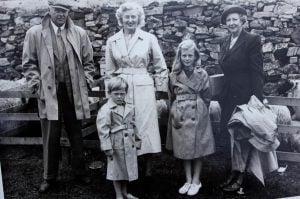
pixel 109 153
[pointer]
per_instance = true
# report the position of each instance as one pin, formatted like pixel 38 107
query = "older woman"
pixel 242 63
pixel 136 56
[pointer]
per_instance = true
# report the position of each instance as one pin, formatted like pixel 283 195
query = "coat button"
pixel 49 67
pixel 132 146
pixel 193 119
pixel 125 134
pixel 193 107
pixel 49 87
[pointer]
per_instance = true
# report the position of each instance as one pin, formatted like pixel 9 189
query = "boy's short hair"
pixel 117 83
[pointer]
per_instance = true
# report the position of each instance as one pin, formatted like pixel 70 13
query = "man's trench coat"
pixel 39 68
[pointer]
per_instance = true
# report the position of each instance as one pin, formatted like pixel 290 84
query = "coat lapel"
pixel 128 108
pixel 183 79
pixel 71 37
pixel 46 34
pixel 132 42
pixel 236 46
pixel 225 48
pixel 120 43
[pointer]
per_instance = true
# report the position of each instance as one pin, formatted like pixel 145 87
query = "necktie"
pixel 61 50
pixel 60 45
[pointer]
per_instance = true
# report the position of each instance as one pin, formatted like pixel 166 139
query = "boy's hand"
pixel 109 153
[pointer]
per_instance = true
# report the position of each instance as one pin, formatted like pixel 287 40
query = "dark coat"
pixel 242 66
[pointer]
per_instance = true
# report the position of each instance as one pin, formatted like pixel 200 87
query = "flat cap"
pixel 232 9
pixel 63 4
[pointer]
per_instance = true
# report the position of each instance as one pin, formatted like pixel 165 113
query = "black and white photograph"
pixel 150 99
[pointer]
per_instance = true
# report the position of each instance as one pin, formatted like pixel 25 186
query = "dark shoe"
pixel 83 179
pixel 233 187
pixel 235 184
pixel 46 185
pixel 229 180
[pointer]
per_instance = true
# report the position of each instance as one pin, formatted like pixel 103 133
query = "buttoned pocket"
pixel 117 140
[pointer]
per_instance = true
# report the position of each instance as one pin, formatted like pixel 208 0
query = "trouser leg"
pixel 51 147
pixel 73 129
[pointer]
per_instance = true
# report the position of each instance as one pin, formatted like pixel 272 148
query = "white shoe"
pixel 184 188
pixel 194 189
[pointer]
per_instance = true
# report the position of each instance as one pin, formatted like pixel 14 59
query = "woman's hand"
pixel 161 95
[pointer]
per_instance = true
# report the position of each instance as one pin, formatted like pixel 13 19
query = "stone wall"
pixel 277 21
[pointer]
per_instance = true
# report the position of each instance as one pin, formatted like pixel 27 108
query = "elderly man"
pixel 58 64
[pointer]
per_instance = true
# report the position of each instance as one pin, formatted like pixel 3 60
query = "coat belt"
pixel 187 96
pixel 121 127
pixel 131 71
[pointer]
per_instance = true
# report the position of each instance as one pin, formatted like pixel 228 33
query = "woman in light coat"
pixel 135 55
pixel 190 133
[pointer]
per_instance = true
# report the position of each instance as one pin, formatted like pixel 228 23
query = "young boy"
pixel 118 138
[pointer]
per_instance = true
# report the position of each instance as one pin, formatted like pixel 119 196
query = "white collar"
pixel 55 28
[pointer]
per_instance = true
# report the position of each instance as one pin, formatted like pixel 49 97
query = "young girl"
pixel 190 133
pixel 118 138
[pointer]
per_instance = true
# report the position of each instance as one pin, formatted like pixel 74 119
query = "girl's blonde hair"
pixel 131 6
pixel 185 44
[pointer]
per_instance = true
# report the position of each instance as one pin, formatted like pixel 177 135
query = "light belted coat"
pixel 142 65
pixel 190 133
pixel 257 136
pixel 39 68
pixel 117 132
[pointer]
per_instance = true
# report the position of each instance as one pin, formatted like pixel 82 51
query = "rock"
pixel 269 66
pixel 89 17
pixel 153 22
pixel 179 34
pixel 201 30
pixel 90 23
pixel 267 47
pixel 3 40
pixel 4 62
pixel 260 24
pixel 213 47
pixel 12 38
pixel 263 15
pixel 296 35
pixel 293 60
pixel 193 11
pixel 292 51
pixel 35 21
pixel 103 28
pixel 154 11
pixel 286 31
pixel 214 55
pixel 281 45
pixel 4 17
pixel 6 33
pixel 176 13
pixel 19 21
pixel 9 47
pixel 97 43
pixel 285 9
pixel 269 8
pixel 180 23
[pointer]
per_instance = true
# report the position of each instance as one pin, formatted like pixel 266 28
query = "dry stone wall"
pixel 277 21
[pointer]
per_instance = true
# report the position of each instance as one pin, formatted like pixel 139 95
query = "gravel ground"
pixel 22 172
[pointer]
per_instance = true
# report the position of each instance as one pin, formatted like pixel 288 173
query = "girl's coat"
pixel 190 132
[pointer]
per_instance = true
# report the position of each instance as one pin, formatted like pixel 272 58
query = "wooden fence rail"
pixel 286 156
